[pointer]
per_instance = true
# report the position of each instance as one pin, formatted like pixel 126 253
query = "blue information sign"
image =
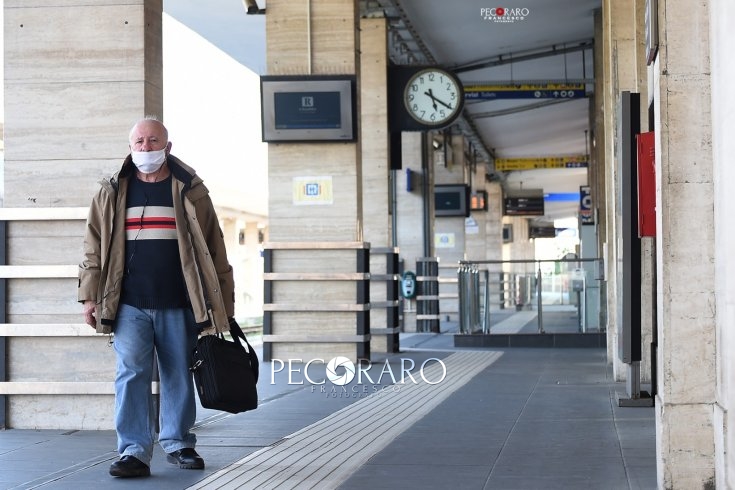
pixel 585 205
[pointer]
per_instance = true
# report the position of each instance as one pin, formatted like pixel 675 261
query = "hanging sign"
pixel 526 91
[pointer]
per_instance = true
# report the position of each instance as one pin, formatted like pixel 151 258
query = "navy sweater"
pixel 153 277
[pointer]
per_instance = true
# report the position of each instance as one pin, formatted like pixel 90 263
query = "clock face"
pixel 433 97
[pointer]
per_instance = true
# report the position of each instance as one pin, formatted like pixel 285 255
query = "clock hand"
pixel 430 94
pixel 433 99
pixel 444 104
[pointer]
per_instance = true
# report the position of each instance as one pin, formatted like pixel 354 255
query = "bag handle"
pixel 237 334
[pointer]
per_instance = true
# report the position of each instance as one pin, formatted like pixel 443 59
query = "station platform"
pixel 462 418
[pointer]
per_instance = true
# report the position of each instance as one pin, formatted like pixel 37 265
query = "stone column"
pixel 410 213
pixel 620 73
pixel 494 222
pixel 78 74
pixel 313 38
pixel 494 243
pixel 374 144
pixel 520 248
pixel 685 248
pixel 311 313
pixel 476 230
pixel 450 240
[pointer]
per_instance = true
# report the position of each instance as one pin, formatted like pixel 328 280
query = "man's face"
pixel 149 136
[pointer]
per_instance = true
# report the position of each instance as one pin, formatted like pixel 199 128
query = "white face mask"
pixel 149 161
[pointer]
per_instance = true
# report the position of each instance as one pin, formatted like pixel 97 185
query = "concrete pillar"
pixel 494 222
pixel 476 229
pixel 521 248
pixel 96 69
pixel 78 74
pixel 685 248
pixel 410 213
pixel 648 264
pixel 597 164
pixel 494 241
pixel 450 239
pixel 619 55
pixel 374 131
pixel 314 38
pixel 374 140
pixel 607 211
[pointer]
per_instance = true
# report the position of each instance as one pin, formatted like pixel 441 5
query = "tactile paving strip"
pixel 327 452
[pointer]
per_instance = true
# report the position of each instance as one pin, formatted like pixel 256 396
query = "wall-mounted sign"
pixel 586 215
pixel 312 191
pixel 444 240
pixel 508 164
pixel 452 200
pixel 523 206
pixel 471 227
pixel 541 231
pixel 307 108
pixel 527 91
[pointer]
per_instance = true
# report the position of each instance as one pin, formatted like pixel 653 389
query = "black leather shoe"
pixel 129 467
pixel 186 458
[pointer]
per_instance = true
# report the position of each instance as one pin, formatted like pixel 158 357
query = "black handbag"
pixel 225 373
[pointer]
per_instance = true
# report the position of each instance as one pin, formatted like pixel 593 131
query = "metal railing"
pixel 536 286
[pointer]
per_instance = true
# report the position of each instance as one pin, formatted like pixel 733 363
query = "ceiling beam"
pixel 505 59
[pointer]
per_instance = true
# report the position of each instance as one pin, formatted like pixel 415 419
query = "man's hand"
pixel 89 318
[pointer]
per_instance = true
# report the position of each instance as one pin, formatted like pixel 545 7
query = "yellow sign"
pixel 508 164
pixel 312 190
pixel 557 91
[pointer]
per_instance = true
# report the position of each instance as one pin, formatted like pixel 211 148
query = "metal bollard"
pixel 472 303
pixel 462 287
pixel 486 300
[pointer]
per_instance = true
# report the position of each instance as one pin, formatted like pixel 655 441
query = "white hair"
pixel 149 117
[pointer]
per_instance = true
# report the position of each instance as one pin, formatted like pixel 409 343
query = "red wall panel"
pixel 646 185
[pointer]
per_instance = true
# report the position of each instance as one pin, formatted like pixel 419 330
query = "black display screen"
pixel 523 206
pixel 307 110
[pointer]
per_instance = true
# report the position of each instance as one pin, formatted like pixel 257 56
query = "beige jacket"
pixel 208 274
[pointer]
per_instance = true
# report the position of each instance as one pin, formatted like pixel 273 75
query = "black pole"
pixel 4 318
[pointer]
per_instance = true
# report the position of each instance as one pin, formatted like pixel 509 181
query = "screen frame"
pixel 344 85
pixel 464 200
pixel 536 206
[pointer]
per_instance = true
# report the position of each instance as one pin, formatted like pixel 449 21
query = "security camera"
pixel 252 7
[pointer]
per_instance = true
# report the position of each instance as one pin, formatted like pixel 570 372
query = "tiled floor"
pixel 530 419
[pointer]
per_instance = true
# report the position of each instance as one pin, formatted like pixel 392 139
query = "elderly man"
pixel 155 274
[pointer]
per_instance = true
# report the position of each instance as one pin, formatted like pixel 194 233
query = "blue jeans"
pixel 173 333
